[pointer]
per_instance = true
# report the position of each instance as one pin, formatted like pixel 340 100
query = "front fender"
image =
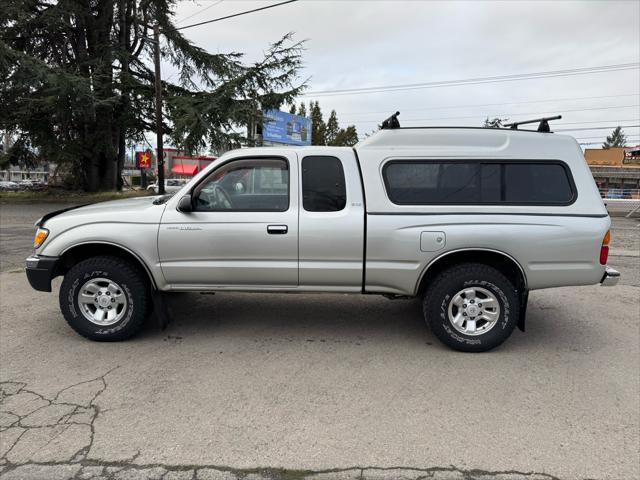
pixel 137 239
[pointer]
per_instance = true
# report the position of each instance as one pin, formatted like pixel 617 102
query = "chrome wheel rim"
pixel 474 311
pixel 102 301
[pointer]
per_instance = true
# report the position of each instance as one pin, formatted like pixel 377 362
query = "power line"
pixel 507 114
pixel 603 136
pixel 492 104
pixel 202 10
pixel 229 16
pixel 599 121
pixel 477 80
pixel 594 128
pixel 600 142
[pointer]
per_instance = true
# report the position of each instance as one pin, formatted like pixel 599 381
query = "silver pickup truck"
pixel 469 220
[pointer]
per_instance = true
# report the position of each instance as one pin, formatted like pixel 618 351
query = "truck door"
pixel 243 231
pixel 331 245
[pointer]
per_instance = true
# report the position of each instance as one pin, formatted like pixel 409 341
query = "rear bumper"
pixel 40 271
pixel 610 278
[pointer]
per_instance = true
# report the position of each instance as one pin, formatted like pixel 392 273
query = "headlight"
pixel 41 235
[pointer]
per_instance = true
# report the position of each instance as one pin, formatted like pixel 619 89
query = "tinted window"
pixel 537 183
pixel 434 182
pixel 246 185
pixel 323 186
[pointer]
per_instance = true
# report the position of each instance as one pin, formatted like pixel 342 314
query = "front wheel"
pixel 471 307
pixel 105 298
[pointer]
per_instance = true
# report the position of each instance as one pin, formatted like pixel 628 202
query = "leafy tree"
pixel 616 139
pixel 495 122
pixel 78 83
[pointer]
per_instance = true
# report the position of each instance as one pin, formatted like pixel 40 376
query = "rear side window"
pixel 488 183
pixel 323 185
pixel 537 183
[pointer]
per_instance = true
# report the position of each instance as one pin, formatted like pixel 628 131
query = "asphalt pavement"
pixel 319 386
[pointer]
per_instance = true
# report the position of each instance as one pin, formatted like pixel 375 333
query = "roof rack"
pixel 391 122
pixel 542 127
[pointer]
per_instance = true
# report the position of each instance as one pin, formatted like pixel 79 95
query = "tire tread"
pixel 136 282
pixel 438 288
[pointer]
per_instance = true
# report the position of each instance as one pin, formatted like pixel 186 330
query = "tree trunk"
pixel 123 8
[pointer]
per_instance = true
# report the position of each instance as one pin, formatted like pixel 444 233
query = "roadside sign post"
pixel 143 162
pixel 158 85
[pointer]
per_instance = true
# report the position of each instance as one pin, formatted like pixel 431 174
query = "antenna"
pixel 542 127
pixel 391 122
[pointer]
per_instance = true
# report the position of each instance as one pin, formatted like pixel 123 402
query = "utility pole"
pixel 158 84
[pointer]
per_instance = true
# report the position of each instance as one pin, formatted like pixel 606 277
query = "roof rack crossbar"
pixel 543 125
pixel 391 122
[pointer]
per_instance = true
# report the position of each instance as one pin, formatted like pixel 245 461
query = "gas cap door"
pixel 432 241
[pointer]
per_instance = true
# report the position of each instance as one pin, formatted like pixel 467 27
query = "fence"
pixel 622 200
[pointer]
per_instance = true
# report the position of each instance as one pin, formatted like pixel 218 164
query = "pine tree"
pixel 333 129
pixel 292 110
pixel 302 111
pixel 318 127
pixel 347 137
pixel 616 139
pixel 77 83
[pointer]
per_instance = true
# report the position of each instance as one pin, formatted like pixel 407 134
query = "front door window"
pixel 247 185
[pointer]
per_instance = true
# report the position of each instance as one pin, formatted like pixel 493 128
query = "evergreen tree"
pixel 333 129
pixel 616 139
pixel 318 127
pixel 302 111
pixel 347 137
pixel 78 83
pixel 292 110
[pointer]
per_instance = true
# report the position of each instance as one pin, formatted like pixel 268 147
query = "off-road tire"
pixel 448 283
pixel 134 286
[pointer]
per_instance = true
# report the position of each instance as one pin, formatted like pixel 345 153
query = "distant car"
pixel 28 184
pixel 171 185
pixel 9 186
pixel 615 193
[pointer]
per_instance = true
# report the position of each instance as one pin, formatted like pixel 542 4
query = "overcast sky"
pixel 364 43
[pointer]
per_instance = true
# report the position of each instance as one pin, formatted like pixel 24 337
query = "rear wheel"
pixel 105 298
pixel 471 307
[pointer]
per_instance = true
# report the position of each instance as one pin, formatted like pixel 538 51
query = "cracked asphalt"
pixel 256 386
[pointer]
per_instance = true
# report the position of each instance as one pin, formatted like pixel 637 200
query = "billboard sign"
pixel 283 127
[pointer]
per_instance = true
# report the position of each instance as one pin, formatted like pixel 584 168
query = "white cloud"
pixel 369 43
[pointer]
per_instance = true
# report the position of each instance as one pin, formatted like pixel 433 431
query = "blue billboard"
pixel 283 127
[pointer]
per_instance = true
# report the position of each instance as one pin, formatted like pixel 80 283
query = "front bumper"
pixel 40 271
pixel 610 278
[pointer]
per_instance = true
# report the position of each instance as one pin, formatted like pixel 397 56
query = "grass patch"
pixel 58 195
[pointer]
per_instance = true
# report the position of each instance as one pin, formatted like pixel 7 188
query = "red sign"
pixel 143 159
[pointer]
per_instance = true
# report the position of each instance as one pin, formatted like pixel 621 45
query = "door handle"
pixel 277 229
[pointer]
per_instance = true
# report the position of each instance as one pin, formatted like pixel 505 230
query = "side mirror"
pixel 185 205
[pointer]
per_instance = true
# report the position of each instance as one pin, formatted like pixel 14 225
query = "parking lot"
pixel 319 386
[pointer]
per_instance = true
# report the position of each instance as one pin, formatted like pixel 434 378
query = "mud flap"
pixel 160 309
pixel 524 300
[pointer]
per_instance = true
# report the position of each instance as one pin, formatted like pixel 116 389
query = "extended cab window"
pixel 323 185
pixel 466 182
pixel 246 185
